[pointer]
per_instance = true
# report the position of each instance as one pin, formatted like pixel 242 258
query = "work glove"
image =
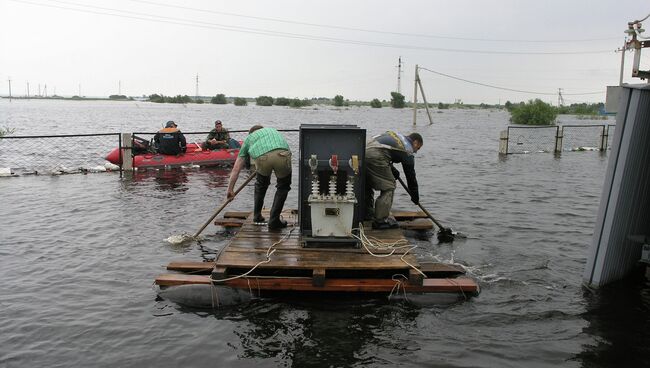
pixel 415 196
pixel 394 171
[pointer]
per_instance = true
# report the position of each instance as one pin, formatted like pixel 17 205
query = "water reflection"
pixel 216 177
pixel 618 320
pixel 309 333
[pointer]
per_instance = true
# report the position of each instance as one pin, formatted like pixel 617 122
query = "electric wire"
pixel 504 88
pixel 641 20
pixel 200 24
pixel 345 28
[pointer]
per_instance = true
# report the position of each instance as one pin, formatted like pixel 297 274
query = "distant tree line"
pixel 119 97
pixel 6 131
pixel 168 99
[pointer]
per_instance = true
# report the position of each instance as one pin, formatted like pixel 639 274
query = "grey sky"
pixel 294 48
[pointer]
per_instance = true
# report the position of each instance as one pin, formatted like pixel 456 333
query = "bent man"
pixel 381 152
pixel 270 152
pixel 170 140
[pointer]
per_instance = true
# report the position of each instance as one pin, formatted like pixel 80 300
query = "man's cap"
pixel 218 122
pixel 170 124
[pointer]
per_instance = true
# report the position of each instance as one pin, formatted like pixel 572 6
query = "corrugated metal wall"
pixel 625 201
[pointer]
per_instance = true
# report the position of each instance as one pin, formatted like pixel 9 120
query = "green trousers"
pixel 379 177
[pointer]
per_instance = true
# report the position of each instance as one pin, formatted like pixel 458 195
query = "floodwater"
pixel 79 254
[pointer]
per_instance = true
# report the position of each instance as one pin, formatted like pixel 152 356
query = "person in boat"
pixel 217 138
pixel 169 140
pixel 382 152
pixel 271 154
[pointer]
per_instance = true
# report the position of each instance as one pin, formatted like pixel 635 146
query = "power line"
pixel 345 28
pixel 507 89
pixel 200 24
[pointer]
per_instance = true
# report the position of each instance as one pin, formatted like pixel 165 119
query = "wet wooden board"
pixel 408 215
pixel 229 222
pixel 237 214
pixel 408 220
pixel 446 285
pixel 190 266
pixel 312 260
pixel 250 245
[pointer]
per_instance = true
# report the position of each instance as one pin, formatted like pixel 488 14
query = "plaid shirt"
pixel 262 141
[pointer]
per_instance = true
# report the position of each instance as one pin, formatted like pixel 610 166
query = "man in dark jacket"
pixel 169 140
pixel 217 138
pixel 381 152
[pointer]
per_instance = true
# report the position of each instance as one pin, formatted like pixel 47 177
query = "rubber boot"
pixel 283 186
pixel 261 185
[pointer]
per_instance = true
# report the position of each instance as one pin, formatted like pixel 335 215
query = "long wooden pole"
pixel 445 234
pixel 426 104
pixel 224 205
pixel 415 96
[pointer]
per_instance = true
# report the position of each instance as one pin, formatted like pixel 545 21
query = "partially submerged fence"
pixel 57 154
pixel 83 153
pixel 529 139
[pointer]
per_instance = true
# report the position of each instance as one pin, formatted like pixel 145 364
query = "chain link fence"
pixel 522 139
pixel 584 137
pixel 532 139
pixel 83 153
pixel 57 154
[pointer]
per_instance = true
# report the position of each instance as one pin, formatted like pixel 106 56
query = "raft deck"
pixel 271 261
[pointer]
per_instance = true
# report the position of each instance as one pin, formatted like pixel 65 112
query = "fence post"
pixel 603 138
pixel 127 157
pixel 559 134
pixel 503 142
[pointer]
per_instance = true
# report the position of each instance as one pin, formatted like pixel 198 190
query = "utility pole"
pixel 39 90
pixel 415 96
pixel 196 96
pixel 560 99
pixel 45 90
pixel 622 49
pixel 27 89
pixel 399 75
pixel 9 79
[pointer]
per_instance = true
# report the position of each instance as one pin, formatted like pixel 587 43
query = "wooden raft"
pixel 408 220
pixel 292 267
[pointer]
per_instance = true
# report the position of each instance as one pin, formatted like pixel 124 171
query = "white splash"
pixel 178 239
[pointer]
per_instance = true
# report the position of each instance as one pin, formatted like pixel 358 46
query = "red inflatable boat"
pixel 194 156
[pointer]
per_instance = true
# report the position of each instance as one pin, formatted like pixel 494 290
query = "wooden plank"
pixel 430 268
pixel 311 260
pixel 455 285
pixel 408 215
pixel 189 266
pixel 417 224
pixel 436 267
pixel 295 248
pixel 219 273
pixel 180 279
pixel 318 277
pixel 415 277
pixel 237 214
pixel 229 222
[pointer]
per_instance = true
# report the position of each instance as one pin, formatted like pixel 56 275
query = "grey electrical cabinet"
pixel 325 141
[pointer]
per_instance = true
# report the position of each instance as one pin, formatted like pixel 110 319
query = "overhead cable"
pixel 507 89
pixel 200 24
pixel 345 28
